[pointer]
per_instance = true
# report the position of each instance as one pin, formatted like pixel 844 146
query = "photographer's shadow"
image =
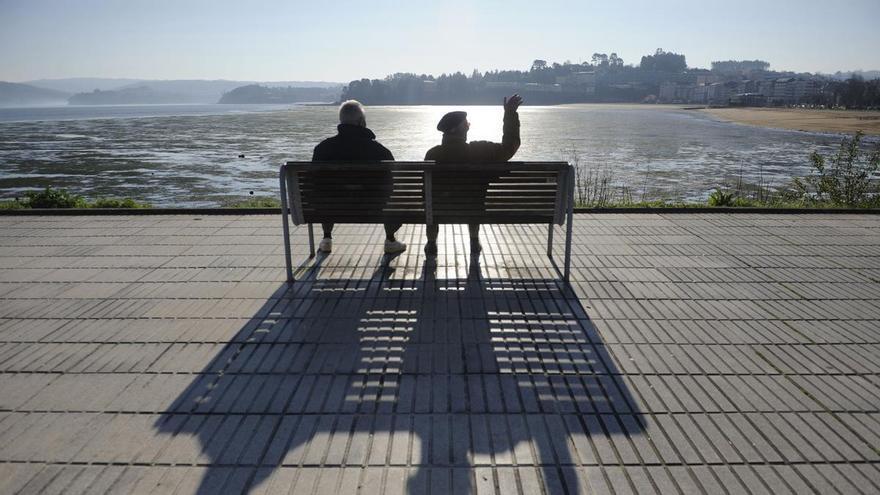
pixel 440 377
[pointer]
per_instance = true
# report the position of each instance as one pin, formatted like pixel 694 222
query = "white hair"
pixel 351 112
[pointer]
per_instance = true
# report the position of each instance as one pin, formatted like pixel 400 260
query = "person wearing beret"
pixel 455 148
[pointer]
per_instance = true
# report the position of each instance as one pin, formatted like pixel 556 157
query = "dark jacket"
pixel 455 149
pixel 352 143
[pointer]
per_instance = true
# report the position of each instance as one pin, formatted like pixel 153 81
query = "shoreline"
pixel 802 119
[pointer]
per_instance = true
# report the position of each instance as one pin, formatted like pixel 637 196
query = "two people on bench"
pixel 355 142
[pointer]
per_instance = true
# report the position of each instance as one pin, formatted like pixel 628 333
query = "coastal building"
pixel 705 79
pixel 699 94
pixel 543 88
pixel 668 92
pixel 748 100
pixel 806 90
pixel 429 87
pixel 503 85
pixel 783 91
pixel 751 86
pixel 790 91
pixel 720 93
pixel 578 78
pixel 765 87
pixel 578 82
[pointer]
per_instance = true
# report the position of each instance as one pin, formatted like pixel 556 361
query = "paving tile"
pixel 697 354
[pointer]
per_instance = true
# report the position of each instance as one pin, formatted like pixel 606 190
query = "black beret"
pixel 451 120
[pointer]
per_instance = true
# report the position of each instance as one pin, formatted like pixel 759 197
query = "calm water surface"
pixel 190 155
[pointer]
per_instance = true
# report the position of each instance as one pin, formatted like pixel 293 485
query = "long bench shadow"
pixel 438 376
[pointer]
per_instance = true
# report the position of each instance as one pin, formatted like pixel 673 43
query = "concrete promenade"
pixel 697 353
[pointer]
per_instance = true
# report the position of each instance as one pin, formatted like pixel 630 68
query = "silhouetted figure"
pixel 355 142
pixel 456 148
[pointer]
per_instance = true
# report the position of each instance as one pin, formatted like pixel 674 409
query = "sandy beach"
pixel 834 121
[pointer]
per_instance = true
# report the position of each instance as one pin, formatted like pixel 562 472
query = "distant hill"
pixel 300 84
pixel 136 91
pixel 189 91
pixel 81 84
pixel 136 95
pixel 255 93
pixel 17 95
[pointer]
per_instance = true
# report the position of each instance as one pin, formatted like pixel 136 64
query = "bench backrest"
pixel 427 192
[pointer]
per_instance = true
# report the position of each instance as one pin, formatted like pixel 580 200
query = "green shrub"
pixel 54 198
pixel 62 198
pixel 118 203
pixel 720 198
pixel 844 179
pixel 255 202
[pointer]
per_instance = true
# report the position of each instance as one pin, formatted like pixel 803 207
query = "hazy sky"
pixel 339 40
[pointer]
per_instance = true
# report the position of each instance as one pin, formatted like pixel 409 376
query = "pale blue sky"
pixel 342 40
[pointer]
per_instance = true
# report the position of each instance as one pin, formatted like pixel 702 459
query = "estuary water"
pixel 204 155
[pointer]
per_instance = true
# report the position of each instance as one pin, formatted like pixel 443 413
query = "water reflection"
pixel 196 159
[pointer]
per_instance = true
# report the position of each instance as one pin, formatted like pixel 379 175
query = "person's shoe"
pixel 431 249
pixel 394 247
pixel 326 245
pixel 476 247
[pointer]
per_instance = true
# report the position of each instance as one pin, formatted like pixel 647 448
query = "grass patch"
pixel 659 203
pixel 62 198
pixel 118 203
pixel 255 202
pixel 10 204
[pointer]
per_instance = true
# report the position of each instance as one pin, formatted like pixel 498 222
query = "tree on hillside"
pixel 738 66
pixel 663 61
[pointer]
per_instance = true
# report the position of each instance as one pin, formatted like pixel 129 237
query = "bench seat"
pixel 427 193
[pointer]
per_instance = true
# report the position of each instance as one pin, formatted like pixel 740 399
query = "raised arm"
pixel 494 152
pixel 510 141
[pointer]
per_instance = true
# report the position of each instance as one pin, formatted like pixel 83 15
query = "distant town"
pixel 660 77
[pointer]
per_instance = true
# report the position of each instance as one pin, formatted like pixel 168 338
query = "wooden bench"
pixel 427 193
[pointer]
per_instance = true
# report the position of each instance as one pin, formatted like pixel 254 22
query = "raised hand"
pixel 511 103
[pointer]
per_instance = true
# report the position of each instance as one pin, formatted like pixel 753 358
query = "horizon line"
pixel 25 81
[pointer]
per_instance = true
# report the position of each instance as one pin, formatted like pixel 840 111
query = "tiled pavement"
pixel 698 354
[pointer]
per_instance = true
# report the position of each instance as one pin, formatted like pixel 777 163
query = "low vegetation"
pixel 254 202
pixel 62 198
pixel 847 178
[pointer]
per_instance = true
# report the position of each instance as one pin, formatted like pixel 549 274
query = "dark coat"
pixel 456 149
pixel 354 143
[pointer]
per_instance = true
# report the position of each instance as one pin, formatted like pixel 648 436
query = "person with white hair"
pixel 355 142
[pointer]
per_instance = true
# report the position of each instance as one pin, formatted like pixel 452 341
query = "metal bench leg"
pixel 569 224
pixel 286 229
pixel 311 241
pixel 550 241
pixel 567 273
